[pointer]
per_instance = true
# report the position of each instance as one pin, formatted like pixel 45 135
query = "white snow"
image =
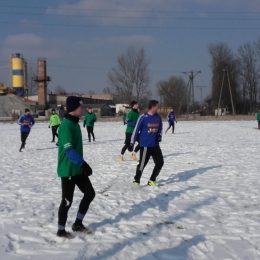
pixel 206 204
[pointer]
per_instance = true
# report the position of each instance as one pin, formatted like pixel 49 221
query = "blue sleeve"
pixel 168 118
pixel 74 157
pixel 20 120
pixel 137 129
pixel 130 123
pixel 160 129
pixel 33 122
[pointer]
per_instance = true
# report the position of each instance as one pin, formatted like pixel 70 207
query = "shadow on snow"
pixel 186 175
pixel 179 251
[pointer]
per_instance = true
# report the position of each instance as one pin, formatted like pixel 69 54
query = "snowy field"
pixel 206 204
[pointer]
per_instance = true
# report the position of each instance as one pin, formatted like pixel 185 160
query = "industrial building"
pixel 13 101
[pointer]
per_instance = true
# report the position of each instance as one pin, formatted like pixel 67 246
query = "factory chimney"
pixel 42 81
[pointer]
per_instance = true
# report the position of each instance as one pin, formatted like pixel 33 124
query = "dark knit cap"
pixel 27 110
pixel 72 103
pixel 53 110
pixel 133 103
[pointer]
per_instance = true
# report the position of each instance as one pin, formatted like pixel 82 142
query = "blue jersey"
pixel 148 127
pixel 171 117
pixel 26 122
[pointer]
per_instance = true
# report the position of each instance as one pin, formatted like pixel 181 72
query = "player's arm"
pixel 137 129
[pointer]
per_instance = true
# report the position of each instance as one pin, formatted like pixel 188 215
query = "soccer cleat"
pixel 136 184
pixel 121 158
pixel 133 156
pixel 52 141
pixel 20 150
pixel 64 233
pixel 81 228
pixel 151 183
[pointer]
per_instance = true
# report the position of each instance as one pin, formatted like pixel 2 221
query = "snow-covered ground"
pixel 206 204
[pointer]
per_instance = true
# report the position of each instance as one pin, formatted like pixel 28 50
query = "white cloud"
pixel 31 46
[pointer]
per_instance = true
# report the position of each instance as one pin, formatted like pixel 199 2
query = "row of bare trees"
pixel 243 68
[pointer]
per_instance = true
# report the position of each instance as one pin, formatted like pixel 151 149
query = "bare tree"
pixel 131 76
pixel 173 93
pixel 107 90
pixel 222 58
pixel 249 74
pixel 91 92
pixel 59 90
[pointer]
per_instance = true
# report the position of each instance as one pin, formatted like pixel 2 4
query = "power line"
pixel 134 27
pixel 133 10
pixel 134 17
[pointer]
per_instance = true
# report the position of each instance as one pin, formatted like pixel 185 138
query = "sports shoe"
pixel 64 233
pixel 81 228
pixel 121 158
pixel 52 141
pixel 133 156
pixel 136 184
pixel 151 183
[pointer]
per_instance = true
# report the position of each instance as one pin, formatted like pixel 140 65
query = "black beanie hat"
pixel 27 110
pixel 53 110
pixel 72 103
pixel 133 103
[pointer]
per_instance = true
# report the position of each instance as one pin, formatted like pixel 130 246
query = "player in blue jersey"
pixel 26 122
pixel 149 129
pixel 171 117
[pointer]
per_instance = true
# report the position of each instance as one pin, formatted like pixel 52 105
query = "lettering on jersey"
pixel 152 130
pixel 26 122
pixel 66 146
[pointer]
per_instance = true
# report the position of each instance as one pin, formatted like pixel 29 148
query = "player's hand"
pixel 159 138
pixel 87 170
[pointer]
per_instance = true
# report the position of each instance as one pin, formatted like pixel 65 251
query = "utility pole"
pixel 201 88
pixel 225 72
pixel 190 86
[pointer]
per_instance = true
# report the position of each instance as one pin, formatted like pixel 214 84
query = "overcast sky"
pixel 81 40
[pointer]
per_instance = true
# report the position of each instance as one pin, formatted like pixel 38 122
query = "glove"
pixel 49 126
pixel 131 148
pixel 87 171
pixel 159 138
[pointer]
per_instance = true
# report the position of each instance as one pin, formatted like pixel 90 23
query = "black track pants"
pixel 171 124
pixel 54 132
pixel 127 143
pixel 24 136
pixel 145 154
pixel 68 186
pixel 90 132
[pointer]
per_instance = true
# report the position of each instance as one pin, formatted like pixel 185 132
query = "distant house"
pixel 102 110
